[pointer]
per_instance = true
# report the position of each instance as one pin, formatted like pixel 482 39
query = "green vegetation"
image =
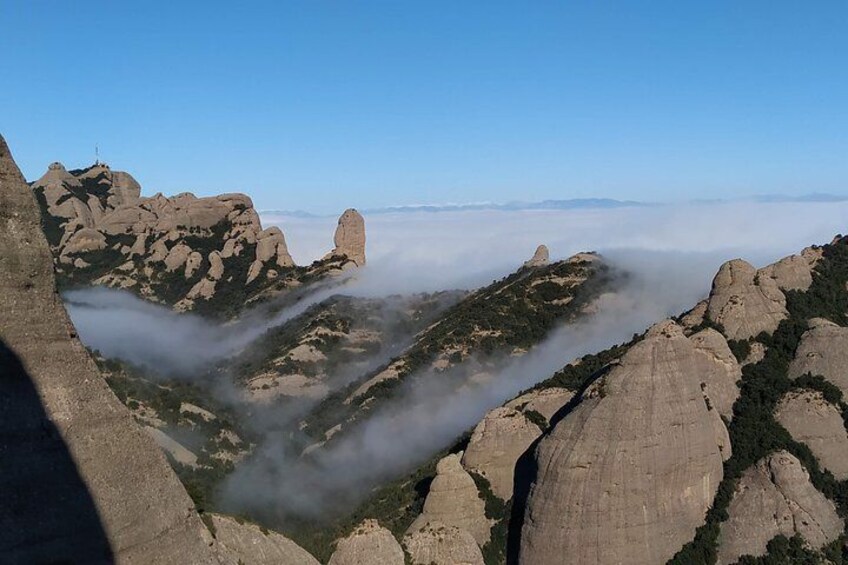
pixel 754 433
pixel 209 438
pixel 494 552
pixel 510 314
pixel 782 550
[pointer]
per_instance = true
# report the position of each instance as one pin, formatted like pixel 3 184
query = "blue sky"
pixel 321 105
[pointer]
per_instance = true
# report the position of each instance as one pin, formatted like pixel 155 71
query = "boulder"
pixel 243 542
pixel 437 544
pixel 454 500
pixel 216 266
pixel 642 434
pixel 124 190
pixel 369 543
pixel 823 350
pixel 540 257
pixel 814 421
pixel 744 303
pixel 497 442
pixel 775 497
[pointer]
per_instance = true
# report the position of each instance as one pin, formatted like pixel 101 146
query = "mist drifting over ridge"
pixel 670 255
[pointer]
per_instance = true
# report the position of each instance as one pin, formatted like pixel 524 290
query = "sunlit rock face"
pixel 629 474
pixel 775 497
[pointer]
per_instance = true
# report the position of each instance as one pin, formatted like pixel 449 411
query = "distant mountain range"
pixel 568 204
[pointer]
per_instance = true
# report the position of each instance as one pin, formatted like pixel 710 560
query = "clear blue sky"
pixel 320 105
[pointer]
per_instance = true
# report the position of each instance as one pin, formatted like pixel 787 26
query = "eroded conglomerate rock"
pixel 547 401
pixel 497 442
pixel 540 257
pixel 97 217
pixel 744 303
pixel 823 350
pixel 438 544
pixel 454 500
pixel 794 272
pixel 814 421
pixel 350 237
pixel 369 543
pixel 242 542
pixel 775 497
pixel 629 474
pixel 719 370
pixel 144 511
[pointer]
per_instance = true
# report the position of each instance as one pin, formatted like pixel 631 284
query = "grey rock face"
pixel 775 497
pixel 249 544
pixel 629 474
pixel 438 544
pixel 350 237
pixel 823 351
pixel 500 438
pixel 144 510
pixel 453 500
pixel 719 370
pixel 540 257
pixel 369 543
pixel 745 303
pixel 812 420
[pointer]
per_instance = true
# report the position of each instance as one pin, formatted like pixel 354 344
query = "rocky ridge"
pixel 210 254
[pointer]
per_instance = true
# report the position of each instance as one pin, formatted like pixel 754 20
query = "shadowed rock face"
pixel 628 475
pixel 775 497
pixel 145 513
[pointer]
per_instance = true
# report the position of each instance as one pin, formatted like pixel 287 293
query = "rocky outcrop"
pixel 497 442
pixel 745 303
pixel 719 370
pixel 823 350
pixel 242 542
pixel 369 543
pixel 453 500
pixel 547 401
pixel 794 272
pixel 776 497
pixel 629 474
pixel 540 257
pixel 143 509
pixel 438 544
pixel 350 237
pixel 97 217
pixel 814 421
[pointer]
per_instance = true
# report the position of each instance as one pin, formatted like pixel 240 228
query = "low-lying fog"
pixel 671 252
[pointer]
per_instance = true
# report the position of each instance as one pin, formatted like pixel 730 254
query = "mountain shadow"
pixel 47 514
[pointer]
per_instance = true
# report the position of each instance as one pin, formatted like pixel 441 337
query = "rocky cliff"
pixel 145 513
pixel 207 254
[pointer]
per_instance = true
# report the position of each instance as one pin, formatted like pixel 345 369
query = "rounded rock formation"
pixel 369 543
pixel 454 500
pixel 438 544
pixel 744 303
pixel 812 420
pixel 642 433
pixel 350 237
pixel 823 350
pixel 540 257
pixel 776 497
